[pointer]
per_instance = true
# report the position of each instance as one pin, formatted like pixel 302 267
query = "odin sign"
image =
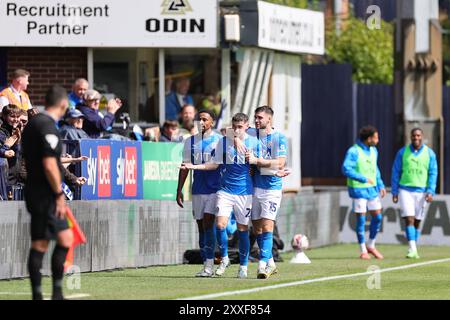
pixel 109 23
pixel 113 170
pixel 435 227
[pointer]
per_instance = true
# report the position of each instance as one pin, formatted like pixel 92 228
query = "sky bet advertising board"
pixel 113 170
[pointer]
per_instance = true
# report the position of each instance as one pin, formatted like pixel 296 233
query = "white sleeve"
pixel 3 101
pixel 187 151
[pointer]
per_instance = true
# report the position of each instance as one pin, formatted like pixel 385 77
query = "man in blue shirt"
pixel 200 149
pixel 236 189
pixel 175 100
pixel 76 96
pixel 267 192
pixel 95 123
pixel 414 179
pixel 364 187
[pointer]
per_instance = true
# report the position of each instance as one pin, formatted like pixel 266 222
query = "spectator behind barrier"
pixel 15 94
pixel 178 98
pixel 96 123
pixel 9 144
pixel 72 129
pixel 17 173
pixel 76 96
pixel 169 131
pixel 212 103
pixel 187 117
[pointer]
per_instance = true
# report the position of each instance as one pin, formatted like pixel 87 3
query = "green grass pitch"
pixel 178 281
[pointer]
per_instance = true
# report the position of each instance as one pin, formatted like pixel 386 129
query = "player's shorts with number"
pixel 266 203
pixel 241 205
pixel 412 204
pixel 203 203
pixel 362 205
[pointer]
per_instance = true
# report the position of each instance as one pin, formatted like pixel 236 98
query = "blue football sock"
pixel 375 225
pixel 210 243
pixel 417 234
pixel 267 243
pixel 222 241
pixel 244 247
pixel 259 242
pixel 361 228
pixel 410 233
pixel 201 244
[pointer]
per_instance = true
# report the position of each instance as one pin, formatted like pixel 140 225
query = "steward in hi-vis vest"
pixel 364 187
pixel 414 178
pixel 15 94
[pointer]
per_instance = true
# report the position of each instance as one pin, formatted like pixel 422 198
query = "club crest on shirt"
pixel 52 140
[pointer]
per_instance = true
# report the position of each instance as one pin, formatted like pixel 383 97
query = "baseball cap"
pixel 74 113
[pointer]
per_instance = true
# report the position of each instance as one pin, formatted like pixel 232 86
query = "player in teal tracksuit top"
pixel 364 187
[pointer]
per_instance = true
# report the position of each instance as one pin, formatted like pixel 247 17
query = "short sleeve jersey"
pixel 273 146
pixel 200 150
pixel 235 169
pixel 40 139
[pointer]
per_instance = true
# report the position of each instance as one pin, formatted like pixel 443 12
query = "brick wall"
pixel 48 66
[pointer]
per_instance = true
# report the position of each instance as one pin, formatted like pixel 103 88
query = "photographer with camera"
pixel 95 122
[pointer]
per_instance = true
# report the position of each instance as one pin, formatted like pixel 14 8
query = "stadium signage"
pixel 290 29
pixel 113 170
pixel 160 163
pixel 435 228
pixel 109 23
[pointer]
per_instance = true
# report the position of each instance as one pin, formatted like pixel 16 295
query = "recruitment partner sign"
pixel 109 23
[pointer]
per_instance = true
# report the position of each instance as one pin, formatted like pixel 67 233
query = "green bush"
pixel 371 52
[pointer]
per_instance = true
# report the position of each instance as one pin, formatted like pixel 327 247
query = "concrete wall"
pixel 140 233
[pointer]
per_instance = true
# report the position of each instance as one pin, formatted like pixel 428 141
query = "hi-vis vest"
pixel 415 168
pixel 367 166
pixel 23 103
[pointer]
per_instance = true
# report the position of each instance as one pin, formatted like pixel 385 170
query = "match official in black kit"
pixel 43 192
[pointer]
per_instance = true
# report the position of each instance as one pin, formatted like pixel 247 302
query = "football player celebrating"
pixel 235 194
pixel 268 187
pixel 199 149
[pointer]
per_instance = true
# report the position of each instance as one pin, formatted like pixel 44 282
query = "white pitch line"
pixel 297 283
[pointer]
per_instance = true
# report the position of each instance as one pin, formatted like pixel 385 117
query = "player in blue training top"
pixel 200 149
pixel 267 187
pixel 414 179
pixel 365 187
pixel 235 194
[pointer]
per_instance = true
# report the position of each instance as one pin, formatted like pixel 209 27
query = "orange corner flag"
pixel 78 238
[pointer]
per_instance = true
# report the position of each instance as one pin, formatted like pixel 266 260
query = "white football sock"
pixel 412 245
pixel 371 243
pixel 271 262
pixel 362 247
pixel 262 264
pixel 209 263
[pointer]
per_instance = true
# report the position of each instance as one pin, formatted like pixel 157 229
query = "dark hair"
pixel 170 123
pixel 366 132
pixel 265 109
pixel 212 114
pixel 32 112
pixel 54 95
pixel 10 109
pixel 238 117
pixel 415 129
